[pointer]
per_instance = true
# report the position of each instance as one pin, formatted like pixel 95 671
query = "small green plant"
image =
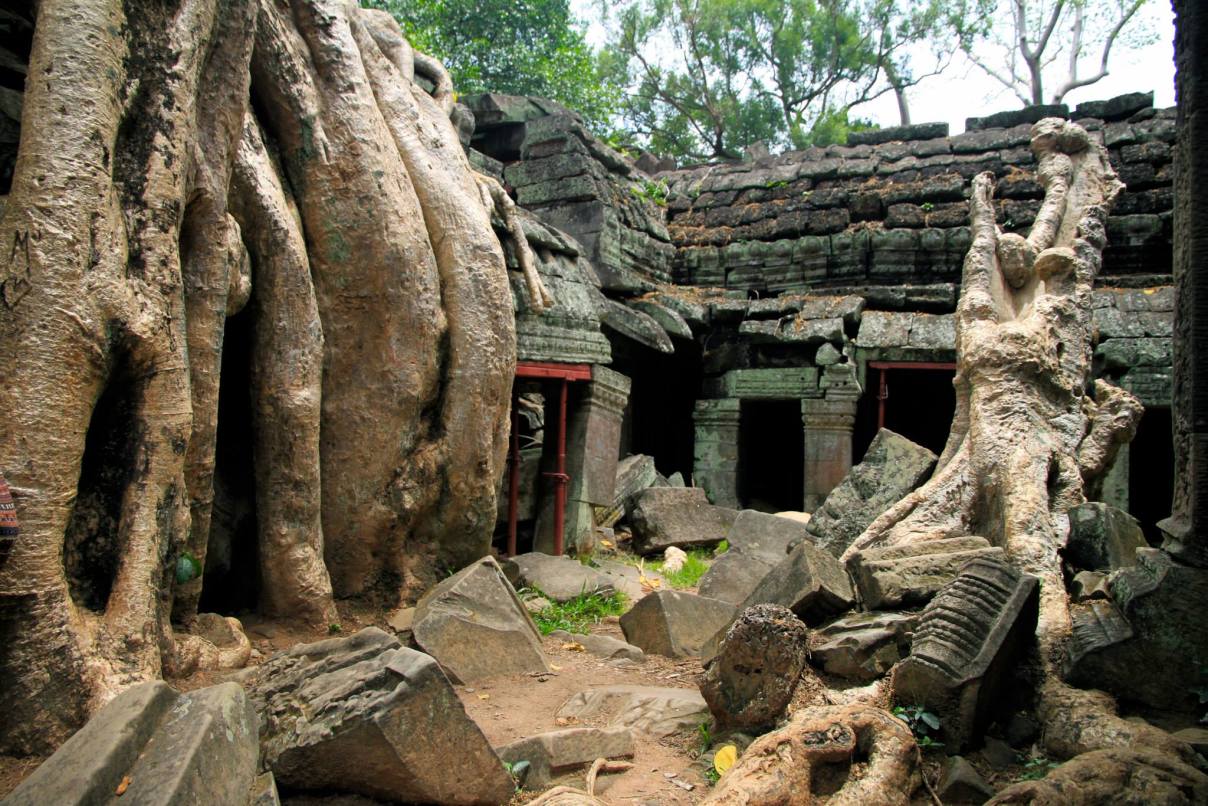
pixel 704 734
pixel 1037 767
pixel 928 207
pixel 578 614
pixel 922 723
pixel 712 775
pixel 721 548
pixel 778 183
pixel 334 629
pixel 654 191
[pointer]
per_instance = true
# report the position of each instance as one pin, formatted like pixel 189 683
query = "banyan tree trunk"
pixel 180 160
pixel 1030 433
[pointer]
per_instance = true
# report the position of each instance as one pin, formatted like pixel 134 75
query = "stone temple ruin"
pixel 751 326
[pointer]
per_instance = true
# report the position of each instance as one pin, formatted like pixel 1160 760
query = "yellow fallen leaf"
pixel 574 646
pixel 484 696
pixel 606 544
pixel 555 667
pixel 123 786
pixel 724 758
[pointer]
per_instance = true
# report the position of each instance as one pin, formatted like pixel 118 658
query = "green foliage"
pixel 519 47
pixel 334 629
pixel 704 736
pixel 712 775
pixel 706 78
pixel 922 723
pixel 652 191
pixel 578 614
pixel 927 207
pixel 1037 767
pixel 695 565
pixel 187 568
pixel 721 548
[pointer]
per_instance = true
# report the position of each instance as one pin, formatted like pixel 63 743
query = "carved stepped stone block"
pixel 967 639
pixel 902 576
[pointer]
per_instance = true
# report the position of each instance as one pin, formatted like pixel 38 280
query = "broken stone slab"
pixel 1161 601
pixel 602 646
pixel 475 625
pixel 1114 776
pixel 767 535
pixel 675 624
pixel 892 467
pixel 809 581
pixel 734 575
pixel 173 748
pixel 634 474
pixel 863 646
pixel 962 784
pixel 1089 585
pixel 909 575
pixel 651 710
pixel 1102 537
pixel 368 716
pixel 558 578
pixel 757 668
pixel 627 578
pixel 966 642
pixel 677 516
pixel 561 751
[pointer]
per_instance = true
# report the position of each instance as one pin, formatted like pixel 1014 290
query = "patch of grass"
pixel 695 566
pixel 578 614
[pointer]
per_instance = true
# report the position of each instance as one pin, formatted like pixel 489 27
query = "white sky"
pixel 964 91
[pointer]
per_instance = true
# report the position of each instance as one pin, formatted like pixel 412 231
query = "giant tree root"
pixel 1134 775
pixel 852 754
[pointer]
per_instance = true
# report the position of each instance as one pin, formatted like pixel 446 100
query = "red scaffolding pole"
pixel 883 388
pixel 544 371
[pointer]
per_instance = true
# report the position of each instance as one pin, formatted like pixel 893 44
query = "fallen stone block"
pixel 734 575
pixel 675 624
pixel 809 581
pixel 164 747
pixel 1102 538
pixel 602 646
pixel 558 578
pixel 966 641
pixel 627 578
pixel 634 474
pixel 1160 601
pixel 892 467
pixel 906 576
pixel 757 668
pixel 766 535
pixel 863 646
pixel 1089 585
pixel 677 516
pixel 758 542
pixel 562 751
pixel 367 716
pixel 962 784
pixel 475 625
pixel 651 710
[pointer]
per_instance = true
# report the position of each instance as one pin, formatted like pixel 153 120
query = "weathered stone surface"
pixel 602 646
pixel 914 131
pixel 634 474
pixel 1089 585
pixel 558 752
pixel 1016 117
pixel 1161 602
pixel 195 748
pixel 677 516
pixel 1102 538
pixel 264 791
pixel 863 646
pixel 758 542
pixel 966 640
pixel 758 666
pixel 559 578
pixel 891 468
pixel 809 581
pixel 675 624
pixel 368 716
pixel 475 626
pixel 1114 777
pixel 909 575
pixel 1120 107
pixel 651 710
pixel 963 784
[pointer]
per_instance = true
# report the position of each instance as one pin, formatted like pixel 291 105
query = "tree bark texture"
pixel 180 161
pixel 1030 433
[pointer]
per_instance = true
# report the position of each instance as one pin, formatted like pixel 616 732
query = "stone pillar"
pixel 1115 482
pixel 1186 529
pixel 715 463
pixel 828 429
pixel 593 441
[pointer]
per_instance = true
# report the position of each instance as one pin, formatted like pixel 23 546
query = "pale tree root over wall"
pixel 1030 435
pixel 179 162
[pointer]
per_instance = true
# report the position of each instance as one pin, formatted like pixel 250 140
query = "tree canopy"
pixel 520 47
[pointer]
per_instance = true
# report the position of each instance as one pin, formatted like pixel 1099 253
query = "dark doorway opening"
pixel 915 400
pixel 232 569
pixel 771 455
pixel 662 398
pixel 1151 472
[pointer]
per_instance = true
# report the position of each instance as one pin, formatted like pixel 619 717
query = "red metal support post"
pixel 560 477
